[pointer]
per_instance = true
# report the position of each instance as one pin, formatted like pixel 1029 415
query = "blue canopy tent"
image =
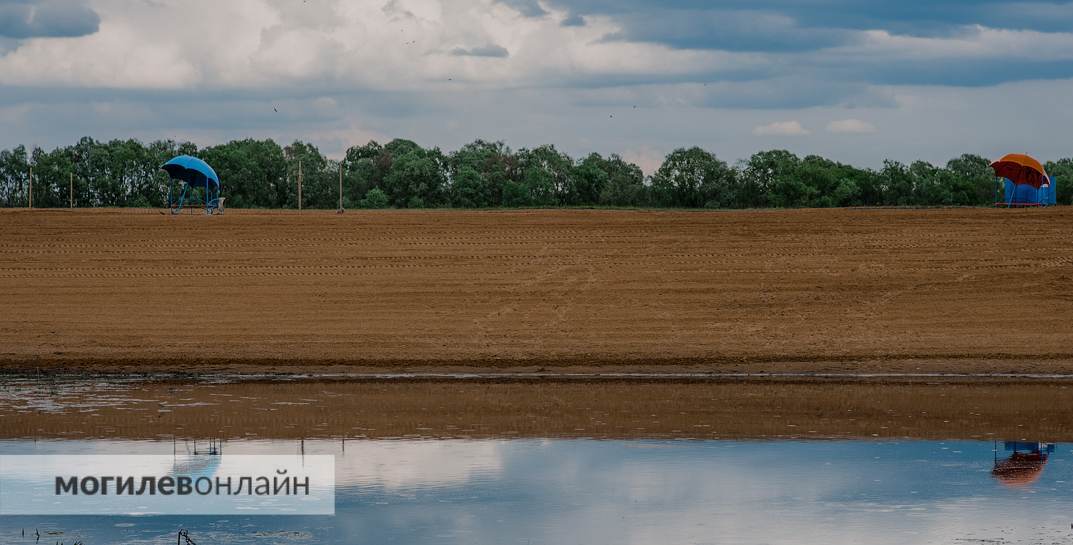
pixel 1025 181
pixel 193 172
pixel 1026 195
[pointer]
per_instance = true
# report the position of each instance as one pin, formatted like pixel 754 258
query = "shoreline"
pixel 1056 366
pixel 732 409
pixel 526 377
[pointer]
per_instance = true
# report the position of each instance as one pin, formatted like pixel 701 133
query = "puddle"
pixel 563 463
pixel 565 491
pixel 156 409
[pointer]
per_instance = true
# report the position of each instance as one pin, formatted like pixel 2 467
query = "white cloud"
pixel 782 128
pixel 851 126
pixel 335 44
pixel 342 71
pixel 414 464
pixel 977 41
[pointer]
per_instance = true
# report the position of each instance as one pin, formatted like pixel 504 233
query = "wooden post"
pixel 71 190
pixel 299 185
pixel 30 198
pixel 340 187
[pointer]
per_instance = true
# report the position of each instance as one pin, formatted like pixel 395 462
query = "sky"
pixel 858 81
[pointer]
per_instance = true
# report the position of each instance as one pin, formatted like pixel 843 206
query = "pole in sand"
pixel 71 190
pixel 299 185
pixel 31 183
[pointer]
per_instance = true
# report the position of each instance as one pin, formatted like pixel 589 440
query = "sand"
pixel 844 291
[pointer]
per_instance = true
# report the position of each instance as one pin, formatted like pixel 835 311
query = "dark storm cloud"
pixel 22 19
pixel 774 25
pixel 825 40
pixel 960 73
pixel 852 14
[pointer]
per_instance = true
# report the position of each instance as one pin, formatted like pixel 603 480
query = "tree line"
pixel 483 174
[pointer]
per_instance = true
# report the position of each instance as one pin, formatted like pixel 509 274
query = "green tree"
pixel 362 170
pixel 766 174
pixel 252 173
pixel 973 181
pixel 14 176
pixel 625 184
pixel 897 184
pixel 416 177
pixel 375 198
pixel 591 177
pixel 470 190
pixel 49 169
pixel 547 177
pixel 260 173
pixel 829 183
pixel 930 185
pixel 693 178
pixel 319 177
pixel 494 165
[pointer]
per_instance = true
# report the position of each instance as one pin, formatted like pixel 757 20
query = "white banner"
pixel 167 485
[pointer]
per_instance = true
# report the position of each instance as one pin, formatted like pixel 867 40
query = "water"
pixel 578 491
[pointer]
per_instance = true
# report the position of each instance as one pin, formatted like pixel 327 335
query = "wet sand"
pixel 836 291
pixel 1039 411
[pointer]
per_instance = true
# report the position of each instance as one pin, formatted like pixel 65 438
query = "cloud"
pixel 667 492
pixel 738 30
pixel 917 17
pixel 781 128
pixel 22 19
pixel 769 55
pixel 976 56
pixel 574 20
pixel 341 70
pixel 490 50
pixel 851 126
pixel 528 8
pixel 789 92
pixel 945 42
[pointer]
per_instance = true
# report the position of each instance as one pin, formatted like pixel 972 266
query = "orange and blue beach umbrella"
pixel 1021 169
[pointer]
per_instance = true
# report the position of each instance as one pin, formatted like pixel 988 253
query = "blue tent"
pixel 193 172
pixel 1051 193
pixel 1026 195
